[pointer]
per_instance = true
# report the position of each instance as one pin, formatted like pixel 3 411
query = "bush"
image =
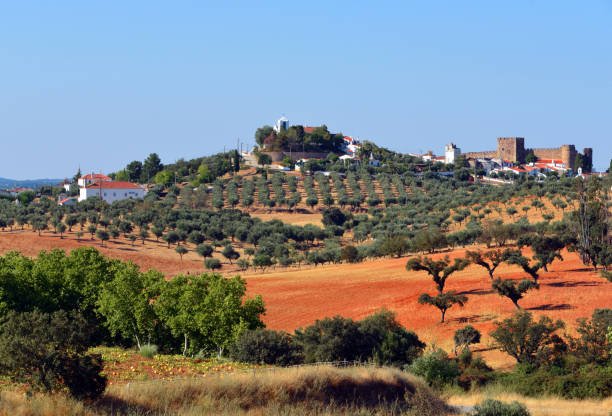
pixel 264 346
pixel 331 339
pixel 48 351
pixel 589 381
pixel 436 368
pixel 387 342
pixel 496 408
pixel 148 350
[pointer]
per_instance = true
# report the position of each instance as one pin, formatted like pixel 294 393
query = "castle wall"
pixel 490 154
pixel 547 153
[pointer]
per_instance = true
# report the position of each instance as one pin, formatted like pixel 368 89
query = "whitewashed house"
pixel 111 191
pixel 90 178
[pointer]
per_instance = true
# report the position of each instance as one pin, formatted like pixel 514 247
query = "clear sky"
pixel 97 84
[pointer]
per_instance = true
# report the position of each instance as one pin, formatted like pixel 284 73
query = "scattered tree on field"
pixel 495 257
pixel 513 290
pixel 443 301
pixel 181 250
pixel 439 270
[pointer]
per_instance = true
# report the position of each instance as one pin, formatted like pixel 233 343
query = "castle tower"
pixel 568 156
pixel 587 156
pixel 511 149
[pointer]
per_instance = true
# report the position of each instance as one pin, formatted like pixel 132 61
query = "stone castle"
pixel 513 150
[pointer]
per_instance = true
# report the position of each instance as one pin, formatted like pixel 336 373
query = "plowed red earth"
pixel 297 297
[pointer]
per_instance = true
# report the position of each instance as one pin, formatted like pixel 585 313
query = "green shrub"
pixel 436 368
pixel 148 350
pixel 589 381
pixel 48 351
pixel 331 339
pixel 264 346
pixel 496 408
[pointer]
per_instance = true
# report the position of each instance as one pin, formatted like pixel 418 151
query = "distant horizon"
pixel 98 85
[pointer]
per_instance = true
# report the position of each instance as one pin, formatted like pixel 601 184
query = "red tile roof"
pixel 113 185
pixel 96 176
pixel 308 129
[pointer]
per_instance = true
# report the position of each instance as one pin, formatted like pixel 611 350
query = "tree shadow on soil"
pixel 473 318
pixel 478 292
pixel 573 284
pixel 551 307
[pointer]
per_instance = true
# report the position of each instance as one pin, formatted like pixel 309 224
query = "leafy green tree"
pixel 134 171
pixel 126 302
pixel 494 257
pixel 230 253
pixel 350 254
pixel 439 270
pixel 513 290
pixel 163 177
pixel 103 236
pixel 49 351
pixel 208 310
pixel 39 224
pixel 590 222
pixel 143 234
pixel 212 264
pixel 263 261
pixel 91 229
pixel 387 342
pixel 443 301
pixel 527 341
pixel 204 250
pixel 396 245
pixel 466 336
pixel 545 249
pixel 172 237
pixel 181 250
pixel 26 197
pixel 262 133
pixel 264 159
pixel 516 257
pixel 151 167
pixel 61 229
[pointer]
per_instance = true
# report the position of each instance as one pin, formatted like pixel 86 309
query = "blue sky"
pixel 97 84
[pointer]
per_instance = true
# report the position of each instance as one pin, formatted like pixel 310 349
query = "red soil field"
pixel 297 297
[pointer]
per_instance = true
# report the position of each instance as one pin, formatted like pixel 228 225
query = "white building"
pixel 90 178
pixel 110 191
pixel 281 124
pixel 451 152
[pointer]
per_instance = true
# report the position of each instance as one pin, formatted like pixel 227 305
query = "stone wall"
pixel 490 154
pixel 542 153
pixel 279 156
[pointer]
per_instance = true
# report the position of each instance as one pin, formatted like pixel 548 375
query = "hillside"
pixel 6 183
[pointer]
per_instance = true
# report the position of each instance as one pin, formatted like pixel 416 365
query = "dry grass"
pixel 541 406
pixel 297 391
